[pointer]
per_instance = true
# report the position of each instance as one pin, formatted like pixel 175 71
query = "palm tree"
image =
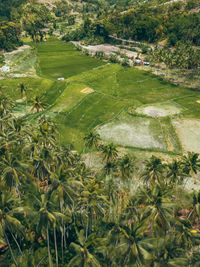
pixel 125 166
pixel 111 190
pixel 131 249
pixel 191 164
pixel 92 140
pixel 84 256
pixel 22 89
pixel 46 215
pixel 13 170
pixel 5 104
pixel 158 207
pixel 168 252
pixel 92 203
pixel 65 189
pixel 9 209
pixel 153 171
pixel 174 172
pixel 38 104
pixel 195 212
pixel 110 168
pixel 109 152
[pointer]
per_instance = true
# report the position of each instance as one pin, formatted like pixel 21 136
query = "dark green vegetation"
pixel 151 22
pixel 57 212
pixel 182 57
pixel 10 28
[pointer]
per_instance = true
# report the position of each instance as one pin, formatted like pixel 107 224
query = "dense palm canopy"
pixel 54 211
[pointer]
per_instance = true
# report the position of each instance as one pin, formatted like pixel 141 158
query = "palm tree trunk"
pixel 90 222
pixel 49 253
pixel 41 261
pixel 62 242
pixel 15 240
pixel 56 249
pixel 10 247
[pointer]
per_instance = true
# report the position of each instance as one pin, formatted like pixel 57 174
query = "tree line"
pixel 183 56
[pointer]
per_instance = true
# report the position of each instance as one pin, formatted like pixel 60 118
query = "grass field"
pixel 98 95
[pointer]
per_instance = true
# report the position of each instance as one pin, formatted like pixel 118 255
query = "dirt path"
pixel 107 49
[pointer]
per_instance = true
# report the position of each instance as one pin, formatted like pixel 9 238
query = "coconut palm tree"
pixel 168 252
pixel 5 104
pixel 92 140
pixel 125 166
pixel 110 168
pixel 38 104
pixel 46 215
pixel 84 255
pixel 191 164
pixel 158 207
pixel 9 223
pixel 174 172
pixel 131 248
pixel 109 152
pixel 92 203
pixel 13 169
pixel 153 171
pixel 195 212
pixel 22 89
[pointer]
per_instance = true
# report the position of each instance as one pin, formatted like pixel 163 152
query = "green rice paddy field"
pixel 127 106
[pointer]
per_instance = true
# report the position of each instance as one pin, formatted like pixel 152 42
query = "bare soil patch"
pixel 87 90
pixel 107 49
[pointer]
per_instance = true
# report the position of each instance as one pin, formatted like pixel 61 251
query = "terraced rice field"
pixel 127 106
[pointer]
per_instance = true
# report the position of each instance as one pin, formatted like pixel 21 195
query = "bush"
pixel 172 40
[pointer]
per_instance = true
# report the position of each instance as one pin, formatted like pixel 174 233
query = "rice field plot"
pixel 72 94
pixel 147 88
pixel 191 105
pixel 102 79
pixel 60 59
pixel 34 86
pixel 95 109
pixel 162 109
pixel 188 131
pixel 20 63
pixel 130 83
pixel 135 131
pixel 170 136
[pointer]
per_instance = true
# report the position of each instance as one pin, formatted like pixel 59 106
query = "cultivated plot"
pixel 160 109
pixel 70 97
pixel 188 131
pixel 19 63
pixel 60 59
pixel 133 131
